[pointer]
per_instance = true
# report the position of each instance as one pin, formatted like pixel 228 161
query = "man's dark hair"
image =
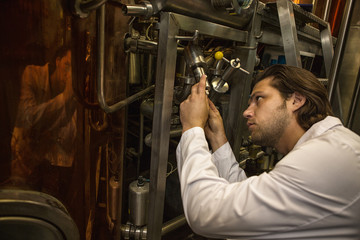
pixel 289 79
pixel 59 53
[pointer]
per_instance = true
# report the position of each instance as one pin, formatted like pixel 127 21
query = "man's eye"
pixel 258 98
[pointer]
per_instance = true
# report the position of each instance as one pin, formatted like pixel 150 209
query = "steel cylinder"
pixel 134 68
pixel 138 202
pixel 194 56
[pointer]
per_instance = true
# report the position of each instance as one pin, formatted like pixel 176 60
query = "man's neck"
pixel 291 136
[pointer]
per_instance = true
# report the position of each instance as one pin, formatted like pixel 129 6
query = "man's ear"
pixel 298 100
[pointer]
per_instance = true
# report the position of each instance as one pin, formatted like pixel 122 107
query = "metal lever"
pixel 235 63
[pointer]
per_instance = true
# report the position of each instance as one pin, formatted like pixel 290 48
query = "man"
pixel 312 193
pixel 45 129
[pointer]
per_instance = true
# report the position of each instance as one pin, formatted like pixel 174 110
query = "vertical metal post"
pixel 289 32
pixel 327 48
pixel 165 74
pixel 235 126
pixel 340 45
pixel 354 102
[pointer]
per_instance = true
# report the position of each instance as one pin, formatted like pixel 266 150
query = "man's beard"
pixel 269 133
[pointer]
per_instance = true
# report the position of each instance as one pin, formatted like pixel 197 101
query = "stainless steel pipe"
pixel 143 9
pixel 173 224
pixel 138 233
pixel 92 5
pixel 100 69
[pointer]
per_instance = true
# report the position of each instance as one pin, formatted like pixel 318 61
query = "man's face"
pixel 63 70
pixel 267 114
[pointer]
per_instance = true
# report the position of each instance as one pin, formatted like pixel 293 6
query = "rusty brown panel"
pixel 31 34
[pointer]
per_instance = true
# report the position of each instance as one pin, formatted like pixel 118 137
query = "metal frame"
pixel 170 24
pixel 288 32
pixel 289 16
pixel 333 83
pixel 235 127
pixel 164 85
pixel 327 48
pixel 290 42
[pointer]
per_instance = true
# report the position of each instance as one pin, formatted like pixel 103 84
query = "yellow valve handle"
pixel 219 55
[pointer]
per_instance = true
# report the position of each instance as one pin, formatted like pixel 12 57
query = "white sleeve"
pixel 253 208
pixel 228 167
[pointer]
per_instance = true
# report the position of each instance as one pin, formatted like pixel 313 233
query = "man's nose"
pixel 248 113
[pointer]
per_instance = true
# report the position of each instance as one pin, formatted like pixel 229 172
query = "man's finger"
pixel 202 84
pixel 194 88
pixel 212 106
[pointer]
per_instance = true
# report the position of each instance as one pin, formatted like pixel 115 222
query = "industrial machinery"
pixel 222 39
pixel 136 61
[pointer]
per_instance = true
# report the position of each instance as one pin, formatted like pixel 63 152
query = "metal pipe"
pixel 92 5
pixel 82 8
pixel 100 69
pixel 134 10
pixel 129 231
pixel 150 70
pixel 141 144
pixel 196 61
pixel 173 133
pixel 145 9
pixel 129 100
pixel 340 44
pixel 185 92
pixel 143 46
pixel 218 67
pixel 327 10
pixel 173 224
pixel 100 15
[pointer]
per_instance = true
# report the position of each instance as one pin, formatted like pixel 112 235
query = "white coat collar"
pixel 319 128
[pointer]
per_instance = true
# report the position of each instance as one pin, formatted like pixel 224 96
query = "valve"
pixel 196 61
pixel 220 84
pixel 235 63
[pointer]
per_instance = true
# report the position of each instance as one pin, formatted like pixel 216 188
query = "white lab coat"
pixel 312 193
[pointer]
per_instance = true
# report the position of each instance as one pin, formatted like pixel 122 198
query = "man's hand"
pixel 214 129
pixel 194 111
